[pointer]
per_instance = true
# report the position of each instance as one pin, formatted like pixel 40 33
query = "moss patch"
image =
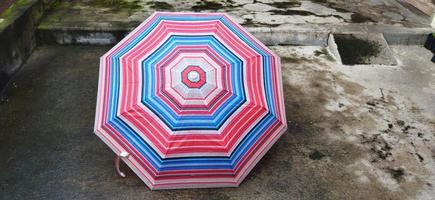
pixel 13 10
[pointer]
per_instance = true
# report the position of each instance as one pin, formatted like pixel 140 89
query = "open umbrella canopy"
pixel 193 99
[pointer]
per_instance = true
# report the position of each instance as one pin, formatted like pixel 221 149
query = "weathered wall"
pixel 17 35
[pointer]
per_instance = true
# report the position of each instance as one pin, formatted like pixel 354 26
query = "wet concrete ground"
pixel 124 14
pixel 360 132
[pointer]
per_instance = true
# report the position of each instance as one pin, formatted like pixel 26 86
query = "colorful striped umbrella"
pixel 190 100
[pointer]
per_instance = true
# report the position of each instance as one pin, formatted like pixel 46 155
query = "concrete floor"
pixel 90 15
pixel 360 132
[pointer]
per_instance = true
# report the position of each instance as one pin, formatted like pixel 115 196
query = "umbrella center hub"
pixel 193 76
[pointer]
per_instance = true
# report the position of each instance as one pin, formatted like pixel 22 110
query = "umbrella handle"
pixel 118 158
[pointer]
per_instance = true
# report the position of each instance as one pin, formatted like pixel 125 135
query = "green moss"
pixel 115 5
pixel 9 14
pixel 13 7
pixel 55 5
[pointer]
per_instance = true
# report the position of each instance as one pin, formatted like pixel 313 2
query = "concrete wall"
pixel 17 36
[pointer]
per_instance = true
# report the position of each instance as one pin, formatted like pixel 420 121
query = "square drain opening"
pixel 361 49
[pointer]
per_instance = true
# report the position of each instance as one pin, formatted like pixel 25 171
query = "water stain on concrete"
pixel 302 13
pixel 397 173
pixel 292 12
pixel 316 155
pixel 346 117
pixel 360 18
pixel 285 5
pixel 207 5
pixel 160 5
pixel 115 5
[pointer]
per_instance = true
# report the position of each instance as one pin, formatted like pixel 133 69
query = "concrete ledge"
pixel 297 34
pixel 65 37
pixel 292 35
pixel 17 36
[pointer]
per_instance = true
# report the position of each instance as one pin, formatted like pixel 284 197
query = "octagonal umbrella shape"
pixel 190 100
